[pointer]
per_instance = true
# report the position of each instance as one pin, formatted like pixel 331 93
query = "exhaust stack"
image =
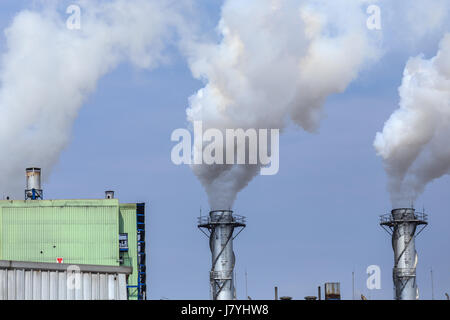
pixel 402 225
pixel 109 194
pixel 33 190
pixel 220 226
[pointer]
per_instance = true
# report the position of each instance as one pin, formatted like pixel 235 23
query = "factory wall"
pixel 53 281
pixel 78 231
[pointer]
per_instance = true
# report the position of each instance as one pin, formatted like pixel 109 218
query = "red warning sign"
pixel 59 260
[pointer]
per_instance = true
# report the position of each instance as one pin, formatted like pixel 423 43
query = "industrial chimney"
pixel 33 190
pixel 220 226
pixel 402 224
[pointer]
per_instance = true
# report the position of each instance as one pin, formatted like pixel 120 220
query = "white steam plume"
pixel 276 60
pixel 414 142
pixel 48 71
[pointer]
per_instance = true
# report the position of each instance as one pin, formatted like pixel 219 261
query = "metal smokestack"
pixel 402 224
pixel 33 190
pixel 220 226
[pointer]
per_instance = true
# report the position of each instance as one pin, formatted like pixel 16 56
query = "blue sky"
pixel 315 221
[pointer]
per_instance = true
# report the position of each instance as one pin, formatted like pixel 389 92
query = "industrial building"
pixel 98 238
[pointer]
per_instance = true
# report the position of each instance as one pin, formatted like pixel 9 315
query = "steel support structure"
pixel 402 224
pixel 220 227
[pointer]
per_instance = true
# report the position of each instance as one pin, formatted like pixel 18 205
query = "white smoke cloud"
pixel 414 141
pixel 276 61
pixel 48 71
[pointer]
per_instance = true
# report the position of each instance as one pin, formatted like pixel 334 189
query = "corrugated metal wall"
pixel 79 231
pixel 23 284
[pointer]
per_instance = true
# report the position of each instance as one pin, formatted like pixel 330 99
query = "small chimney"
pixel 109 194
pixel 332 291
pixel 33 190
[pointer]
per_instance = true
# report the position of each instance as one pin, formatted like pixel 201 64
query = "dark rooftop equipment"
pixel 332 291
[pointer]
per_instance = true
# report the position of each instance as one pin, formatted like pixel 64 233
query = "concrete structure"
pixel 60 281
pixel 220 226
pixel 402 224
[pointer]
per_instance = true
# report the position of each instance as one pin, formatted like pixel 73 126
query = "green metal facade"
pixel 78 231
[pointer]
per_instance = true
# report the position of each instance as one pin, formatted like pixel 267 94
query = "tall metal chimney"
pixel 220 226
pixel 402 224
pixel 33 190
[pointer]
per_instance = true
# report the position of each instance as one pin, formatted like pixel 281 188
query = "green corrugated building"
pixel 96 232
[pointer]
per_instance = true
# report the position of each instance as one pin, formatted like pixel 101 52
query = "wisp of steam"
pixel 48 71
pixel 414 143
pixel 275 61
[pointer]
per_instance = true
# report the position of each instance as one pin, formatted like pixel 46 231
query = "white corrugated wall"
pixel 20 284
